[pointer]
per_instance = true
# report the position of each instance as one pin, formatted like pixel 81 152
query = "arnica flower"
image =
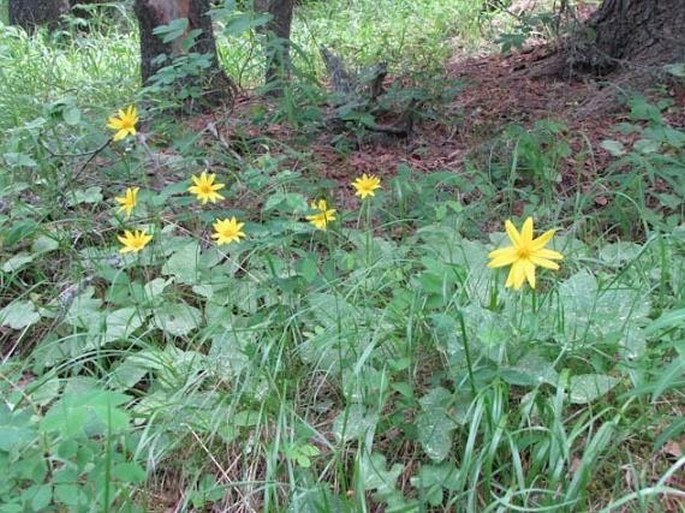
pixel 205 188
pixel 124 123
pixel 525 254
pixel 133 241
pixel 128 201
pixel 366 185
pixel 324 215
pixel 227 231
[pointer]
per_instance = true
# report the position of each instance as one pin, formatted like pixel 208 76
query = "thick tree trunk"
pixel 643 32
pixel 154 13
pixel 29 14
pixel 277 44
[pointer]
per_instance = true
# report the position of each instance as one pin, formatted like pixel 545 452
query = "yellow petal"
pixel 121 134
pixel 542 262
pixel 502 257
pixel 548 254
pixel 529 271
pixel 527 231
pixel 515 277
pixel 512 232
pixel 542 240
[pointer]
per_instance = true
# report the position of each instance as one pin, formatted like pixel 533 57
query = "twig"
pixel 90 159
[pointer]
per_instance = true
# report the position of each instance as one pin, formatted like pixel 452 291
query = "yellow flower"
pixel 205 188
pixel 133 242
pixel 124 124
pixel 365 185
pixel 128 201
pixel 525 254
pixel 323 216
pixel 227 231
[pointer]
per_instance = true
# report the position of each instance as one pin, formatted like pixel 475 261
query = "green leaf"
pixel 177 319
pixel 19 314
pixel 130 371
pixel 354 422
pixel 155 288
pixel 16 262
pixel 129 472
pixel 71 115
pixel 677 69
pixel 84 311
pixel 121 324
pixel 619 253
pixel 243 22
pixel 435 425
pixel 16 428
pixel 174 30
pixel 228 350
pixel 183 263
pixel 44 244
pixel 91 195
pixel 70 495
pixel 672 319
pixel 614 148
pixel 376 477
pixel 433 478
pixel 87 412
pixel 588 387
pixel 531 370
pixel 592 313
pixel 39 496
pixel 287 202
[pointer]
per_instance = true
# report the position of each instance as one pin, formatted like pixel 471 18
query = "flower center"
pixel 523 252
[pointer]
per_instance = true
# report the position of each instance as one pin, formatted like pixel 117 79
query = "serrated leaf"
pixel 589 387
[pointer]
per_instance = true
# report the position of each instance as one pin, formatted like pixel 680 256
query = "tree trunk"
pixel 277 44
pixel 29 14
pixel 643 32
pixel 215 84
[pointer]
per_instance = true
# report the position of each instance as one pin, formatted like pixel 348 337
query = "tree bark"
pixel 642 32
pixel 277 42
pixel 154 13
pixel 29 14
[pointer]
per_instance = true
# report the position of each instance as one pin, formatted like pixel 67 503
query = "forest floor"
pixel 498 91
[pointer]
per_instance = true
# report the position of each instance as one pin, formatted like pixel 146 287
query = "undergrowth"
pixel 370 363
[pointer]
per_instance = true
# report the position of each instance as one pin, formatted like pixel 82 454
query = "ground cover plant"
pixel 241 311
